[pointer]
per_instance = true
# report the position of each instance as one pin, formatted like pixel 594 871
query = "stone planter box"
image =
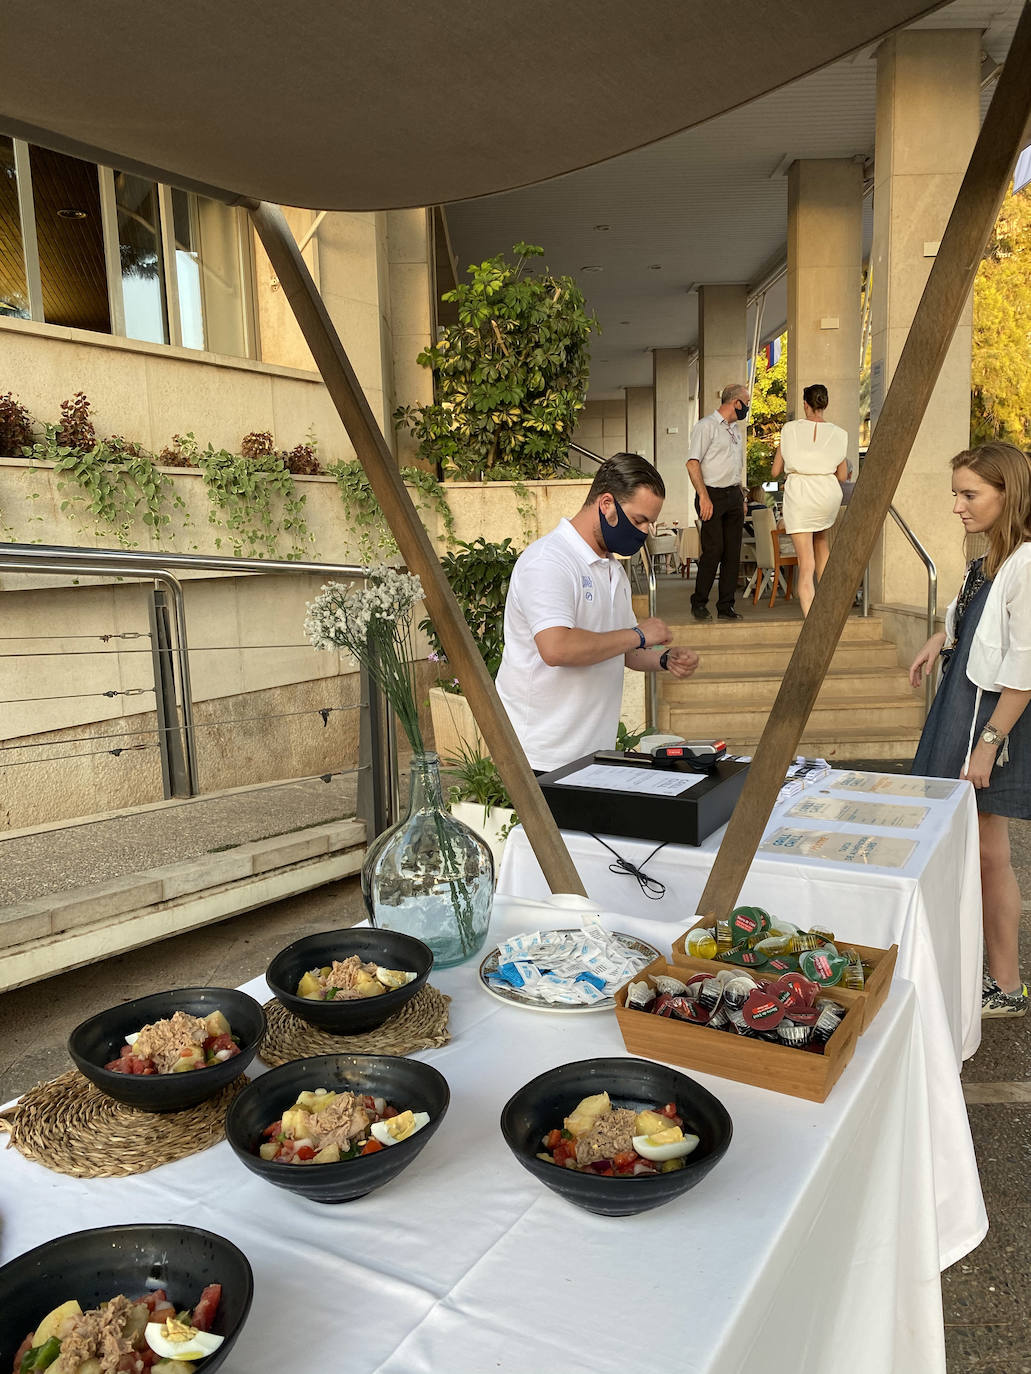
pixel 454 729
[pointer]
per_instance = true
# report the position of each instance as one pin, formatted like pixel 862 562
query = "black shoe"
pixel 729 615
pixel 701 612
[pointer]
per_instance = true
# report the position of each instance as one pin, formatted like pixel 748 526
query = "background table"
pixel 931 909
pixel 813 1241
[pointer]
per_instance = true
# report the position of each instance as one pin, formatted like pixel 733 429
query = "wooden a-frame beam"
pixel 414 544
pixel 951 279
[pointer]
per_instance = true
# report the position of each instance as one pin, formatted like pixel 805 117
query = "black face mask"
pixel 740 409
pixel 623 537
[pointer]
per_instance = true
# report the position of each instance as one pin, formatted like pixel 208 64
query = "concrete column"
pixel 411 270
pixel 928 115
pixel 671 393
pixel 722 345
pixel 640 421
pixel 825 248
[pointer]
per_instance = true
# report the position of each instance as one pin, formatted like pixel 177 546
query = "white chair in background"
pixel 662 549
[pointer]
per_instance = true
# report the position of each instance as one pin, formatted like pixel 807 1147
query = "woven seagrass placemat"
pixel 420 1024
pixel 70 1126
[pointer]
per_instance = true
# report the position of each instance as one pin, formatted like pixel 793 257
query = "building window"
pixel 102 249
pixel 14 290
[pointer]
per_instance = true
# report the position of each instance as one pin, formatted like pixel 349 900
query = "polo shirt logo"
pixel 588 585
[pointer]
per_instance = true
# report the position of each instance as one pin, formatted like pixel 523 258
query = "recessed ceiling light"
pixel 70 213
pixel 603 228
pixel 655 267
pixel 592 267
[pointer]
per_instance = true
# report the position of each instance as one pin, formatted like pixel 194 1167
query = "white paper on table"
pixel 877 850
pixel 860 812
pixel 617 778
pixel 934 789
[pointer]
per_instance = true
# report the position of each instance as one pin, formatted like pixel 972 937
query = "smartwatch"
pixel 664 660
pixel 640 635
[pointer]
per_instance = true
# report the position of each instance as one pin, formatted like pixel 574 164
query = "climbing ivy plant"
pixel 255 501
pixel 365 516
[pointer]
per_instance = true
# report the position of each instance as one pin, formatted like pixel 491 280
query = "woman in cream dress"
pixel 812 453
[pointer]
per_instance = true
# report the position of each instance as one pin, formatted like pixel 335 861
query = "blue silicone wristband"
pixel 640 635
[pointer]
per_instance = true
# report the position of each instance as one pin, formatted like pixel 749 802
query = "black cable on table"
pixel 651 887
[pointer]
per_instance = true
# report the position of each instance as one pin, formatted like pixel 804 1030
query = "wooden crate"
pixel 871 998
pixel 800 1073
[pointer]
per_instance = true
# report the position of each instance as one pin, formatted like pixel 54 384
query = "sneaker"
pixel 996 1003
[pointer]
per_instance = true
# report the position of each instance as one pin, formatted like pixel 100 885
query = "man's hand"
pixel 681 662
pixel 704 506
pixel 655 631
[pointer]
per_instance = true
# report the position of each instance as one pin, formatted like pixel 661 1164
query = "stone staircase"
pixel 866 708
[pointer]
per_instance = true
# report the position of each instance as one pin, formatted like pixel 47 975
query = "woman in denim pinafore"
pixel 978 727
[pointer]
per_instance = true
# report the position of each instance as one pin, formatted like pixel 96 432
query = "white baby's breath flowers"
pixel 342 614
pixel 373 622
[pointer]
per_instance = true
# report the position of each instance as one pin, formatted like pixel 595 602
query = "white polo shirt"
pixel 560 714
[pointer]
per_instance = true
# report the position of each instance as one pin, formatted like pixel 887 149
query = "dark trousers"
pixel 721 547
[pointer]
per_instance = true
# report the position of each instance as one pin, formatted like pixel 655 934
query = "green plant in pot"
pixel 479 797
pixel 479 573
pixel 510 377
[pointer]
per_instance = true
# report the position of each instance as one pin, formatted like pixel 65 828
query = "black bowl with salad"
pixel 170 1299
pixel 171 1050
pixel 337 1126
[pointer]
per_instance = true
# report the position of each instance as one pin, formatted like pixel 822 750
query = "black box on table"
pixel 687 812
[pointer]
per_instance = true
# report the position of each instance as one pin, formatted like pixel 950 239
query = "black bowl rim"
pixel 677 1178
pixel 389 1000
pixel 247 1050
pixel 253 1089
pixel 149 1227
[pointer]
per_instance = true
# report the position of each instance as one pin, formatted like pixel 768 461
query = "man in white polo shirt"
pixel 569 624
pixel 716 466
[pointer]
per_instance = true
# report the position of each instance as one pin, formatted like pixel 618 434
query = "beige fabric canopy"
pixel 345 106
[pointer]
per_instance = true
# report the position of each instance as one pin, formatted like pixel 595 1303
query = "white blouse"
pixel 813 448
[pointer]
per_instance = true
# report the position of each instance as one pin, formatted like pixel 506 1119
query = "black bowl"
pixel 403 1082
pixel 93 1266
pixel 388 948
pixel 542 1104
pixel 97 1041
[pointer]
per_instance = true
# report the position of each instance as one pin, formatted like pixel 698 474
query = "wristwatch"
pixel 989 735
pixel 664 660
pixel 640 635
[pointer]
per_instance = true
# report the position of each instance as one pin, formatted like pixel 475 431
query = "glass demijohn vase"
pixel 430 875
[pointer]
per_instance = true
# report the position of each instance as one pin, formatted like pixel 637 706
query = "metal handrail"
pixel 586 452
pixel 159 566
pixel 932 593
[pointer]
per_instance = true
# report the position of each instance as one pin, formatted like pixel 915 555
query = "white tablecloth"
pixel 930 908
pixel 812 1243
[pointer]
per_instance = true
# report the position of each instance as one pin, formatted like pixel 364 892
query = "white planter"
pixel 489 825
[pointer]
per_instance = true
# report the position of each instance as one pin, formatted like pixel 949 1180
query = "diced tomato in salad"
pixel 204 1312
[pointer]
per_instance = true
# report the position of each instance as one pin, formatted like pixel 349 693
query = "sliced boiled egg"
pixel 176 1340
pixel 131 1039
pixel 671 1143
pixel 399 1127
pixel 394 978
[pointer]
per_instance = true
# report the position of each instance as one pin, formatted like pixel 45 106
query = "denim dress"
pixel 943 744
